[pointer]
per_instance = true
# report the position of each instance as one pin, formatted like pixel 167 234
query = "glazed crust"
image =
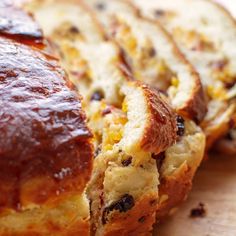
pixel 45 146
pixel 137 221
pixel 162 122
pixel 19 25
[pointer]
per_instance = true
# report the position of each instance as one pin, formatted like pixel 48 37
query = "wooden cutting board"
pixel 215 186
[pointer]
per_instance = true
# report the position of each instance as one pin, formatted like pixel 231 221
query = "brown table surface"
pixel 215 186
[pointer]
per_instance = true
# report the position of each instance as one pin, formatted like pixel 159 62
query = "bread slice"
pixel 131 123
pixel 45 145
pixel 124 187
pixel 198 32
pixel 152 55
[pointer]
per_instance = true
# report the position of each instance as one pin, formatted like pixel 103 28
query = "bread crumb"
pixel 199 211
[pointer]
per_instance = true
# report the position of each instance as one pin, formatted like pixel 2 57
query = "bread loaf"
pixel 45 145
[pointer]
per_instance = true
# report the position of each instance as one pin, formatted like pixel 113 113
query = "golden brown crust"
pixel 162 122
pixel 173 190
pixel 137 221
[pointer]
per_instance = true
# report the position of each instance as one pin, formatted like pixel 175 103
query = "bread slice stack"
pixel 46 150
pixel 130 121
pixel 206 33
pixel 142 121
pixel 139 173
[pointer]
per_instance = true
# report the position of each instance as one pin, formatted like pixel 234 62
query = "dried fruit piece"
pixel 124 204
pixel 180 125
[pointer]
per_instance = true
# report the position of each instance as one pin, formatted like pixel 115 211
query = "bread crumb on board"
pixel 199 211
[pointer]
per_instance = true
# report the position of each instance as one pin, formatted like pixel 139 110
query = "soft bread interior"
pixel 186 151
pixel 49 220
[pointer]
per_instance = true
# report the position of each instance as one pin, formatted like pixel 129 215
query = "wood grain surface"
pixel 215 186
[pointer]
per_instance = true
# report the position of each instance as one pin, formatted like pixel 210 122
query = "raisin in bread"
pixel 199 35
pixel 46 150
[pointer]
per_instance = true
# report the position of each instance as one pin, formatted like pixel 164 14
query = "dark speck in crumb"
pixel 74 29
pixel 152 52
pixel 97 151
pixel 229 85
pixel 229 137
pixel 153 202
pixel 106 111
pixel 142 219
pixel 124 204
pixel 219 65
pixel 159 159
pixel 180 126
pixel 127 161
pixel 100 6
pixel 159 13
pixel 97 96
pixel 199 211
